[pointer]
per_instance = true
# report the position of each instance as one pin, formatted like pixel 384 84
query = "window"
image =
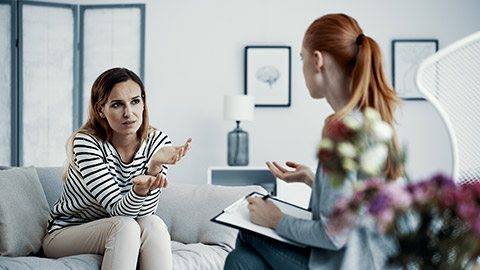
pixel 50 55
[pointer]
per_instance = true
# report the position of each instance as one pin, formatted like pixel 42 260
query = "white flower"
pixel 352 123
pixel 371 116
pixel 349 164
pixel 346 149
pixel 326 144
pixel 372 160
pixel 382 131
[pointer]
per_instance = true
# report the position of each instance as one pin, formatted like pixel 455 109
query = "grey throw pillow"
pixel 23 212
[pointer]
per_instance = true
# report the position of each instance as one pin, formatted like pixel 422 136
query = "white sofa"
pixel 197 243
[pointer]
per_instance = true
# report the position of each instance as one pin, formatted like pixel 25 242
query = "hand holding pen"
pixel 264 212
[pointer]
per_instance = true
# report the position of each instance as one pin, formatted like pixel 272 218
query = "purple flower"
pixel 475 188
pixel 399 197
pixel 340 218
pixel 389 203
pixel 443 181
pixel 420 191
pixel 476 224
pixel 449 197
pixel 358 197
pixel 466 210
pixel 379 204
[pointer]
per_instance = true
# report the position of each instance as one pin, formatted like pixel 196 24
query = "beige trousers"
pixel 121 240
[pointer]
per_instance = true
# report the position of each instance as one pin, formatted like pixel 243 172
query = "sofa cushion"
pixel 23 211
pixel 52 184
pixel 77 262
pixel 187 210
pixel 197 256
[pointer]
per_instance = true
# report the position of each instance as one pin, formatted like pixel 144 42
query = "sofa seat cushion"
pixel 77 262
pixel 197 256
pixel 187 210
pixel 23 211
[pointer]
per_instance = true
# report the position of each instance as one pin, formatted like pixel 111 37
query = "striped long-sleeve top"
pixel 100 184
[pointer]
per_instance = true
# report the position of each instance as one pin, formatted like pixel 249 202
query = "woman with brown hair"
pixel 343 65
pixel 117 168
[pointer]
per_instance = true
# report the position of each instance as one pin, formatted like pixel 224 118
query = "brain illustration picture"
pixel 268 74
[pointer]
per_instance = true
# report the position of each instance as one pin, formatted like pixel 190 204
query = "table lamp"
pixel 238 108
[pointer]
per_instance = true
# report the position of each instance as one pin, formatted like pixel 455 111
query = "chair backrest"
pixel 450 80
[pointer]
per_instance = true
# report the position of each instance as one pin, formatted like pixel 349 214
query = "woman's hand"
pixel 264 212
pixel 302 173
pixel 172 154
pixel 142 184
pixel 168 155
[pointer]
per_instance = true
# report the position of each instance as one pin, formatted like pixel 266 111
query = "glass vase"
pixel 237 143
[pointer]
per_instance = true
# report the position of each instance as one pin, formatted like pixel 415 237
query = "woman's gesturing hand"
pixel 144 183
pixel 172 154
pixel 168 155
pixel 264 212
pixel 302 173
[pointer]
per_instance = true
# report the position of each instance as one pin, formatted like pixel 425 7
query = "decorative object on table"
pixel 238 108
pixel 343 149
pixel 450 80
pixel 407 54
pixel 267 75
pixel 436 223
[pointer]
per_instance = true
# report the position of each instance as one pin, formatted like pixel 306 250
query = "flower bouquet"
pixel 435 223
pixel 344 146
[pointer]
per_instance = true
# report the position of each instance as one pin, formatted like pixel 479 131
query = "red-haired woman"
pixel 344 66
pixel 113 180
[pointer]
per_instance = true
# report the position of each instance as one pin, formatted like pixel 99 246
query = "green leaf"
pixel 336 179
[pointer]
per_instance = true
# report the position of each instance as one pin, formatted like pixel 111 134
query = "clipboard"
pixel 237 216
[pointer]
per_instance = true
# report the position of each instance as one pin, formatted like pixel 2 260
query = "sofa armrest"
pixel 187 210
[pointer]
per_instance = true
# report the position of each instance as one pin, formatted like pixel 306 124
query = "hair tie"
pixel 359 43
pixel 359 39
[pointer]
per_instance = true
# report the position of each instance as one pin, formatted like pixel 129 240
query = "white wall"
pixel 194 53
pixel 194 56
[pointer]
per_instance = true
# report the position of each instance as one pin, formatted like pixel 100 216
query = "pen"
pixel 266 197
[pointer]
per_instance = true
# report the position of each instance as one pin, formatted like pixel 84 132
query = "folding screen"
pixel 5 82
pixel 111 36
pixel 47 68
pixel 47 52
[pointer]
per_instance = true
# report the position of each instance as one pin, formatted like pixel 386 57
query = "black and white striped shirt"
pixel 100 186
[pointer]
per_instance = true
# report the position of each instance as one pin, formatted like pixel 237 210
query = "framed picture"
pixel 267 75
pixel 407 54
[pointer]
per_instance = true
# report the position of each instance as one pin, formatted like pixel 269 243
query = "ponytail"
pixel 370 89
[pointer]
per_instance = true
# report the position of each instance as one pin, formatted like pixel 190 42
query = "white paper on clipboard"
pixel 237 216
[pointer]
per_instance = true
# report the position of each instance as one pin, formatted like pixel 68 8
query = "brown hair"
pixel 95 124
pixel 359 55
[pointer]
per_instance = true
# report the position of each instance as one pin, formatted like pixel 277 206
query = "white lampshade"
pixel 238 108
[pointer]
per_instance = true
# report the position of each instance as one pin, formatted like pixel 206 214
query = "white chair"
pixel 450 80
